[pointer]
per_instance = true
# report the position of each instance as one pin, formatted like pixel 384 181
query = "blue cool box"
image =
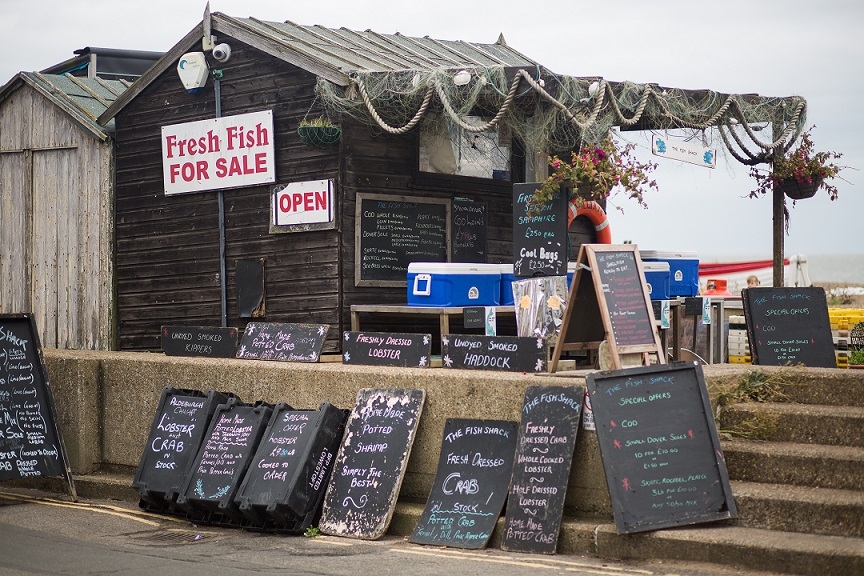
pixel 657 279
pixel 683 270
pixel 454 284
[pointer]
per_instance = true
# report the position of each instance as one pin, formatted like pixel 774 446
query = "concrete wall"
pixel 106 403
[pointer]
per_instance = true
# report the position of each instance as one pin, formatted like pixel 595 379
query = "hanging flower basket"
pixel 798 190
pixel 319 136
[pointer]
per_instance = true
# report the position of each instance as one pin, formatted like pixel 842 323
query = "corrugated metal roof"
pixel 333 54
pixel 84 99
pixel 351 51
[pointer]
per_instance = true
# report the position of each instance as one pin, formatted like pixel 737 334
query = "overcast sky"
pixel 769 47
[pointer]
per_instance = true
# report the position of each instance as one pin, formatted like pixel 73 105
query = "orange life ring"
pixel 594 212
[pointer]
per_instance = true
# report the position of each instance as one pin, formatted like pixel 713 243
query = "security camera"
pixel 222 52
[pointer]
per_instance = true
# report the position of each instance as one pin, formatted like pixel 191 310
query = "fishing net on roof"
pixel 551 112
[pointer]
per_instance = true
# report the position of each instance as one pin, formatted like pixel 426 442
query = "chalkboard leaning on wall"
pixel 30 445
pixel 390 232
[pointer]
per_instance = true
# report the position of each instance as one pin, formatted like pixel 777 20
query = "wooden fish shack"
pixel 228 211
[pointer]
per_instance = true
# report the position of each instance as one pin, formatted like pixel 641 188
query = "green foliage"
pixel 318 122
pixel 311 532
pixel 803 165
pixel 600 170
pixel 857 357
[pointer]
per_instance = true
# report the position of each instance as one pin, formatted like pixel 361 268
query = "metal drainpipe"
pixel 217 84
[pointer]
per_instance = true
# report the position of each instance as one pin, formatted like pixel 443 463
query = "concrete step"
pixel 802 423
pixel 799 509
pixel 772 551
pixel 826 387
pixel 794 463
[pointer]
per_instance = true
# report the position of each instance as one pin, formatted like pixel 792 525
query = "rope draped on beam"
pixel 604 103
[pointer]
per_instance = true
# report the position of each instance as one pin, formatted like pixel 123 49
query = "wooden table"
pixel 442 312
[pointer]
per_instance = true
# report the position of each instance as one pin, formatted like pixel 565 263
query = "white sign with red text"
pixel 303 203
pixel 227 152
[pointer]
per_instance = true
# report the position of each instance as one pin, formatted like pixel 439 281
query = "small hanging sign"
pixel 684 151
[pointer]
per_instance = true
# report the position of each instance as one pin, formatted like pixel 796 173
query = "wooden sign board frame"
pixel 22 335
pixel 587 320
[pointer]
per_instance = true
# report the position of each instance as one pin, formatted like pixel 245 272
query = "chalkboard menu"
pixel 232 438
pixel 609 301
pixel 282 342
pixel 386 349
pixel 469 231
pixel 544 453
pixel 789 326
pixel 371 462
pixel 470 485
pixel 502 353
pixel 179 425
pixel 285 483
pixel 539 233
pixel 199 341
pixel 660 449
pixel 393 231
pixel 30 441
pixel 624 291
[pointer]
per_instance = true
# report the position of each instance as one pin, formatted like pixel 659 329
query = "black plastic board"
pixel 660 449
pixel 30 440
pixel 544 454
pixel 286 480
pixel 366 478
pixel 386 349
pixel 199 341
pixel 500 353
pixel 470 485
pixel 789 326
pixel 282 342
pixel 181 420
pixel 209 489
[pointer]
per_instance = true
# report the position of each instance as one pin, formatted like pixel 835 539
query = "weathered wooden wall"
pixel 168 246
pixel 55 223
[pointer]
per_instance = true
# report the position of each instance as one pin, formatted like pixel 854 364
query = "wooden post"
pixel 779 203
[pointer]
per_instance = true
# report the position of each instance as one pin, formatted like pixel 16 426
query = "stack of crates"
pixel 738 347
pixel 842 321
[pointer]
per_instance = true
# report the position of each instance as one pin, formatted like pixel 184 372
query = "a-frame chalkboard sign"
pixel 30 441
pixel 609 301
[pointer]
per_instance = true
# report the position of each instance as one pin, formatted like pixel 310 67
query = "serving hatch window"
pixel 448 148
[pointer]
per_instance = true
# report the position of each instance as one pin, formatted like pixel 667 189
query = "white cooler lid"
pixel 452 268
pixel 667 255
pixel 655 266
